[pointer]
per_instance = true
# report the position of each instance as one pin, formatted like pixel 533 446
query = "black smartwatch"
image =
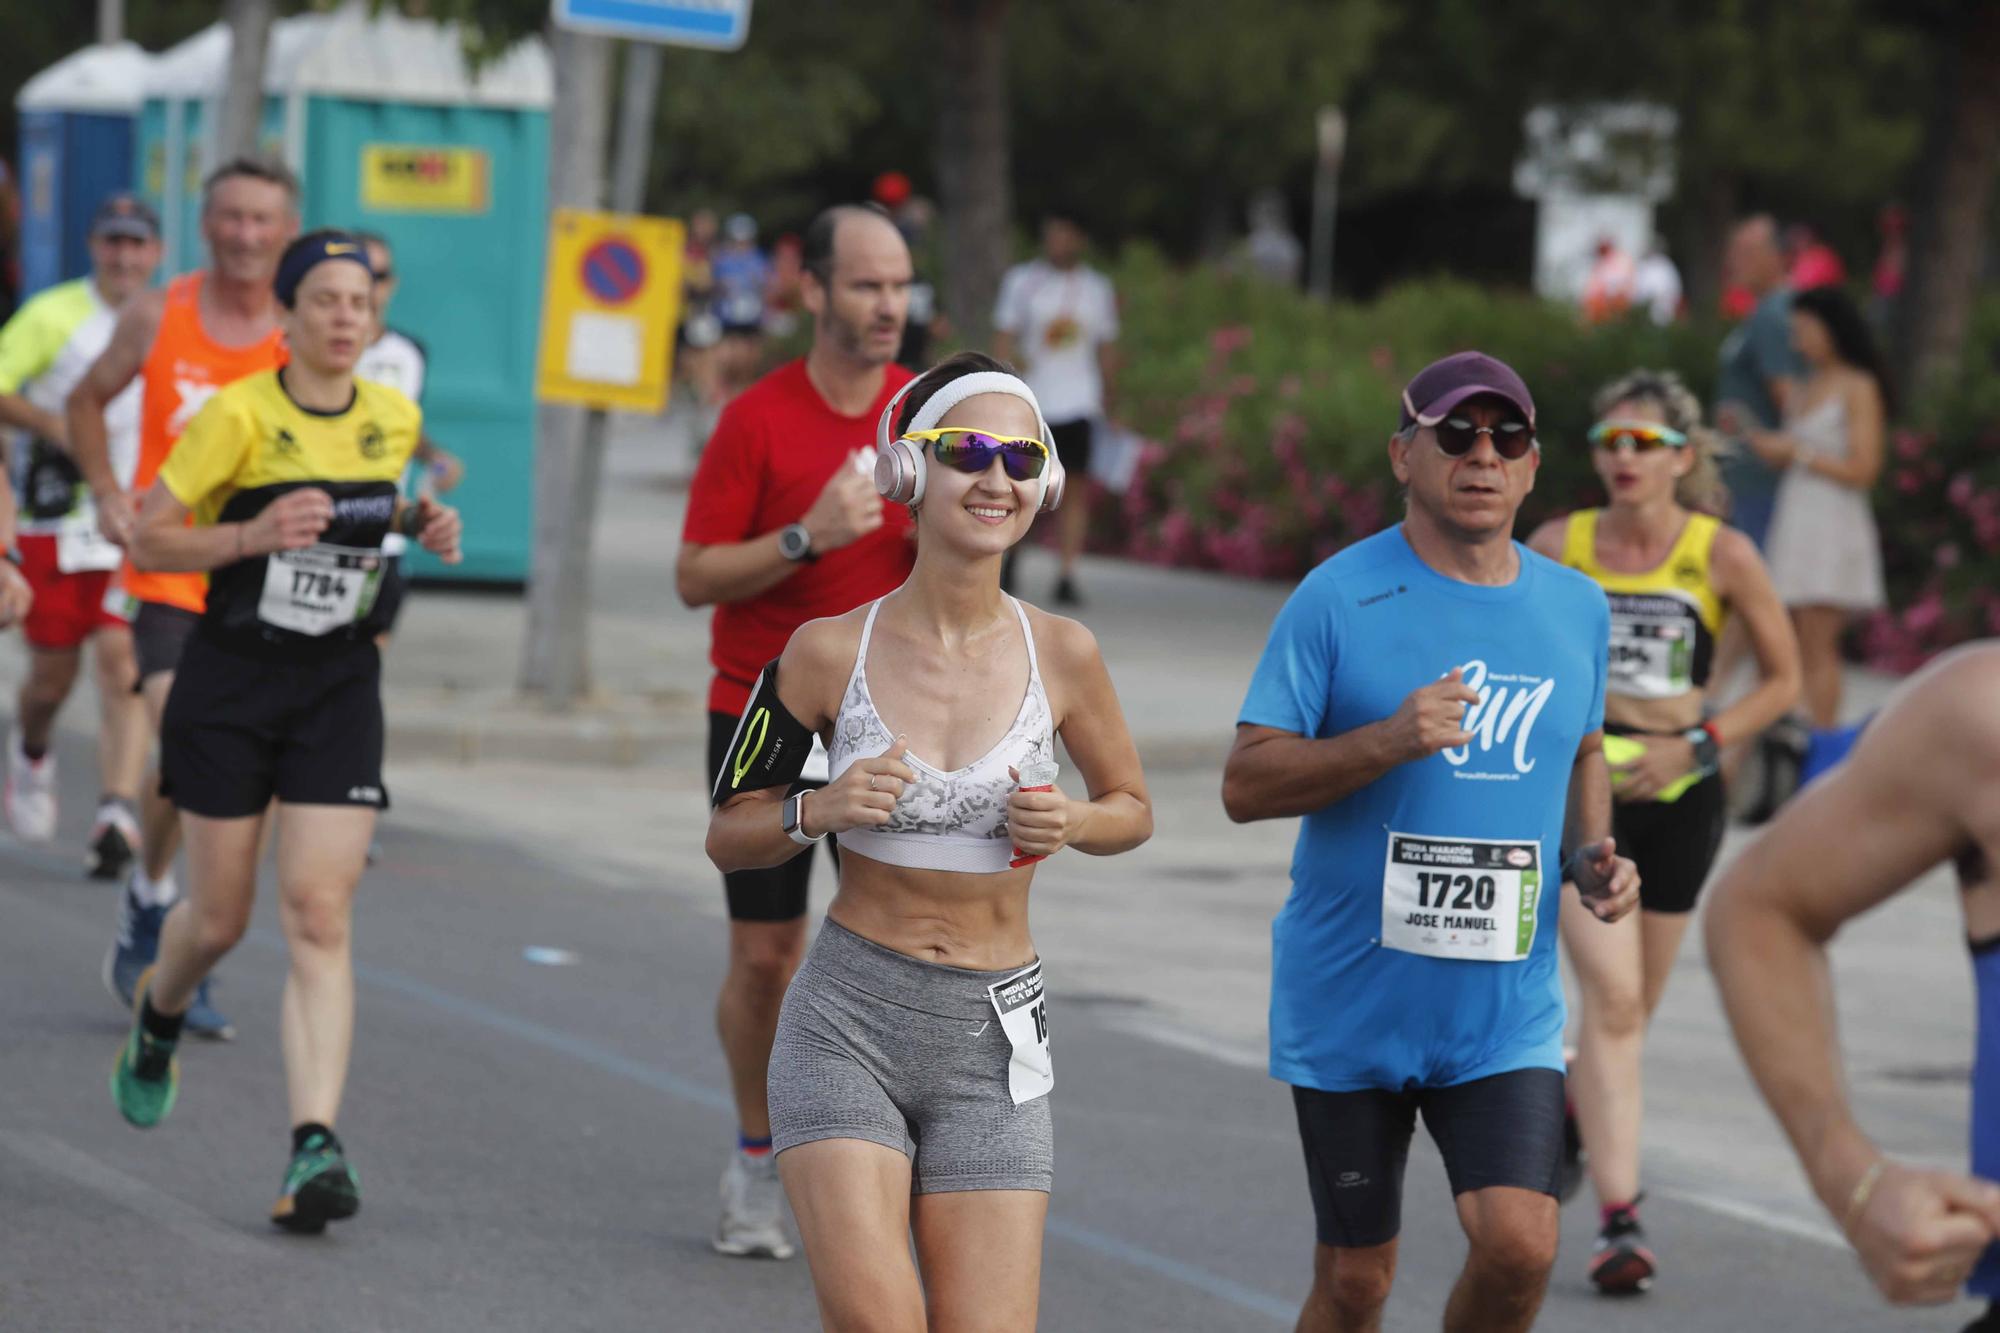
pixel 1707 750
pixel 795 543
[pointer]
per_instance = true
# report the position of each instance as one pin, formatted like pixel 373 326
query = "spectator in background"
pixel 1890 264
pixel 1607 292
pixel 781 295
pixel 742 276
pixel 1757 365
pixel 916 219
pixel 1059 316
pixel 1824 552
pixel 1271 251
pixel 1814 263
pixel 1656 284
pixel 700 330
pixel 10 242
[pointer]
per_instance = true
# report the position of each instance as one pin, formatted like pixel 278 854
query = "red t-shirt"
pixel 773 451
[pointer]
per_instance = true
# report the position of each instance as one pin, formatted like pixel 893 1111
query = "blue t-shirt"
pixel 1360 633
pixel 1986 1100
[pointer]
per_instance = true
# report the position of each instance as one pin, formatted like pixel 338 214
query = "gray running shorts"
pixel 878 1046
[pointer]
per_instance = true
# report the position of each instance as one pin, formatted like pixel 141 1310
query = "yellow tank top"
pixel 1664 621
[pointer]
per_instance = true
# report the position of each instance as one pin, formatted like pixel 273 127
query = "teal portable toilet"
pixel 77 124
pixel 390 130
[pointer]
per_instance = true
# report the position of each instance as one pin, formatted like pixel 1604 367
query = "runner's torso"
pixel 183 370
pixel 1664 624
pixel 251 444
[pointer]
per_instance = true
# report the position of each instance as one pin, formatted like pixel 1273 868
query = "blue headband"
pixel 307 253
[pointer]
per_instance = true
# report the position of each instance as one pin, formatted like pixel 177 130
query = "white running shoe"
pixel 31 794
pixel 753 1209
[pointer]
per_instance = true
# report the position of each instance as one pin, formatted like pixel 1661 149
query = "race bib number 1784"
pixel 1470 898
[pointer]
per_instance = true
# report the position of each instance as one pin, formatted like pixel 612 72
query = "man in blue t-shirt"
pixel 1431 701
pixel 1757 363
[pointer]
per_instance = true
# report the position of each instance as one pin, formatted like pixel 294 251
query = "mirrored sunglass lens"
pixel 1023 461
pixel 966 452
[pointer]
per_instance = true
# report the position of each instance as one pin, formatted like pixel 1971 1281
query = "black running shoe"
pixel 112 842
pixel 1066 593
pixel 1620 1263
pixel 320 1187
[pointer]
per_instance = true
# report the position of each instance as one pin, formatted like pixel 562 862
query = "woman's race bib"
pixel 1470 898
pixel 319 589
pixel 1024 1016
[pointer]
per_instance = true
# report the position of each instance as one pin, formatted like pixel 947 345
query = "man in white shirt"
pixel 1057 318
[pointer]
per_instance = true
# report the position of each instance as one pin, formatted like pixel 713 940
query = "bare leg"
pixel 159 822
pixel 1513 1247
pixel 762 957
pixel 1350 1288
pixel 1075 523
pixel 852 1202
pixel 1660 934
pixel 1610 1042
pixel 122 739
pixel 51 676
pixel 208 921
pixel 322 850
pixel 981 1255
pixel 1819 629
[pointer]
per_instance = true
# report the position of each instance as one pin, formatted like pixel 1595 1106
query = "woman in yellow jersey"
pixel 1672 575
pixel 281 489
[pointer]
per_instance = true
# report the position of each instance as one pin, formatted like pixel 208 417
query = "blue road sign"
pixel 719 25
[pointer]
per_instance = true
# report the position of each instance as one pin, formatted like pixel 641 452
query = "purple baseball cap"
pixel 126 216
pixel 1443 385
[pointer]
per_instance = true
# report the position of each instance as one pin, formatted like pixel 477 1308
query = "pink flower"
pixel 1946 556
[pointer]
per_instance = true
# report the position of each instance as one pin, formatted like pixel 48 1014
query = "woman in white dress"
pixel 1823 549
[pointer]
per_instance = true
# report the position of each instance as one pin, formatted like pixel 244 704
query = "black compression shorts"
pixel 1073 445
pixel 1673 843
pixel 1506 1129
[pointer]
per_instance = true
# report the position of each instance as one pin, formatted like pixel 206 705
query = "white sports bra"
pixel 944 821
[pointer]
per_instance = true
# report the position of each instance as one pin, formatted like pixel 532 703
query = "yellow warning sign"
pixel 421 178
pixel 611 299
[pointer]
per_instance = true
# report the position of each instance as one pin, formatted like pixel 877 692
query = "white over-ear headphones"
pixel 900 462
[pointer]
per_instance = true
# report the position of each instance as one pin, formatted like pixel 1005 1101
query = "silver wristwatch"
pixel 793 820
pixel 795 543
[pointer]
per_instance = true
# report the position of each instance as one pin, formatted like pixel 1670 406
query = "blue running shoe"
pixel 133 948
pixel 205 1020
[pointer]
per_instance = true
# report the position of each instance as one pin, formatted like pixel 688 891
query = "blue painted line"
pixel 608 1061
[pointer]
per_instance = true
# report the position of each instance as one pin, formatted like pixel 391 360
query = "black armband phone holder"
pixel 770 747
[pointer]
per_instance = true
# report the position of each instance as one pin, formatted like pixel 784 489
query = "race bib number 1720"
pixel 1470 898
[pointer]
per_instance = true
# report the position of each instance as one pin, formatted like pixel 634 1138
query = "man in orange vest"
pixel 203 331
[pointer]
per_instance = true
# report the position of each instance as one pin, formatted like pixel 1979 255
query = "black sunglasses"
pixel 1511 439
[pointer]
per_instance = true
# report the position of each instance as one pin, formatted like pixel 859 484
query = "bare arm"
pixel 107 377
pixel 17 411
pixel 1862 463
pixel 1890 813
pixel 1005 345
pixel 1607 883
pixel 1107 370
pixel 1118 813
pixel 1548 538
pixel 1273 774
pixel 1745 584
pixel 747 832
pixel 163 540
pixel 847 510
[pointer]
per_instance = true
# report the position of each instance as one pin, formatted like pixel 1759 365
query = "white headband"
pixel 971 386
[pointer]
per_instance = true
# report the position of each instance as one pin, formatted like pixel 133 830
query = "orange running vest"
pixel 183 370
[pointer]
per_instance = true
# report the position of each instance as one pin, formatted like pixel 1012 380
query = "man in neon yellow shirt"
pixel 44 351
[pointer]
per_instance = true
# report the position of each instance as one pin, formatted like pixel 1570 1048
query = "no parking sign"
pixel 612 298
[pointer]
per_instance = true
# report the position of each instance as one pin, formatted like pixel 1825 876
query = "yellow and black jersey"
pixel 1665 621
pixel 250 444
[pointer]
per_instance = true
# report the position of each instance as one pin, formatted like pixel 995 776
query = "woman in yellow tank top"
pixel 1672 575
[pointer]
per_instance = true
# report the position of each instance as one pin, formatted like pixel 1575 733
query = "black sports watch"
pixel 795 543
pixel 1707 750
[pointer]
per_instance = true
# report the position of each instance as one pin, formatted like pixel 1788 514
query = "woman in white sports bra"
pixel 910 1074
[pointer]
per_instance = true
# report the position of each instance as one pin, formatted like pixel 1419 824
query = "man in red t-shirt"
pixel 784 526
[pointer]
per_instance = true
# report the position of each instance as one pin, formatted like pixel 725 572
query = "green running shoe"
pixel 320 1187
pixel 147 1076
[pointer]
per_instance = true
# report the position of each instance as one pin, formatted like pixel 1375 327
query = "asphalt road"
pixel 539 1144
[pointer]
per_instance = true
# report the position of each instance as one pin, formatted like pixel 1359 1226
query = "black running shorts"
pixel 159 635
pixel 775 894
pixel 1673 843
pixel 1073 445
pixel 1506 1129
pixel 239 730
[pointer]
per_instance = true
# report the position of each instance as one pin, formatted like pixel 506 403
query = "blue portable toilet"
pixel 390 130
pixel 77 121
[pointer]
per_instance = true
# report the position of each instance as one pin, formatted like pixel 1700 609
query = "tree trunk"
pixel 1953 199
pixel 555 659
pixel 973 170
pixel 1711 212
pixel 241 118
